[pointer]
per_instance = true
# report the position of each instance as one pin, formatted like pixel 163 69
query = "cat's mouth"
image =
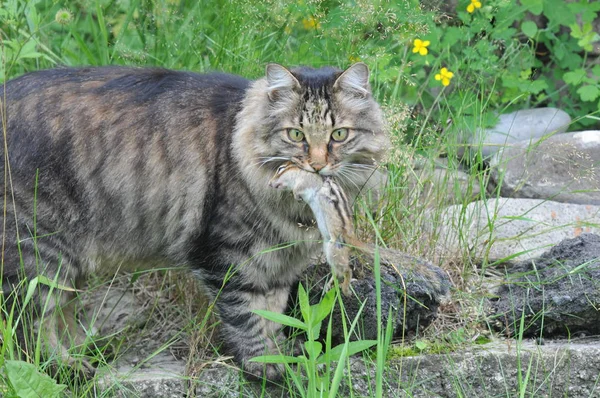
pixel 327 170
pixel 304 165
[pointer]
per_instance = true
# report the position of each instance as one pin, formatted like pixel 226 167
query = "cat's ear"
pixel 354 79
pixel 280 79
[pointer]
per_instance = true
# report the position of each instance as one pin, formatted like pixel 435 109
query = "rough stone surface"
pixel 162 376
pixel 562 168
pixel 520 228
pixel 153 363
pixel 413 302
pixel 556 294
pixel 557 368
pixel 527 124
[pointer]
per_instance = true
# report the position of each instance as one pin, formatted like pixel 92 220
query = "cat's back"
pixel 67 100
pixel 74 113
pixel 139 84
pixel 118 151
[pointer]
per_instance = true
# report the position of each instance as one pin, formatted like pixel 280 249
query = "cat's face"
pixel 324 121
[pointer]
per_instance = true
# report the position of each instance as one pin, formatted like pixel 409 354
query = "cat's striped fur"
pixel 115 165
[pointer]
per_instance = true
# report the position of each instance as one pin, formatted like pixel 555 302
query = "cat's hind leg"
pixel 39 284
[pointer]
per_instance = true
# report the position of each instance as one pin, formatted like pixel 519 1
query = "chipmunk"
pixel 331 209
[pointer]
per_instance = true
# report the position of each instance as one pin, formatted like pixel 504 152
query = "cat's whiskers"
pixel 357 171
pixel 261 162
pixel 268 159
pixel 360 166
pixel 347 177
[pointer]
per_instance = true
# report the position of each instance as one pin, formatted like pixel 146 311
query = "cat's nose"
pixel 317 157
pixel 317 166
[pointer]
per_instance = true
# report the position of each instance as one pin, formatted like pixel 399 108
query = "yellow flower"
pixel 311 23
pixel 445 75
pixel 474 4
pixel 420 46
pixel 354 59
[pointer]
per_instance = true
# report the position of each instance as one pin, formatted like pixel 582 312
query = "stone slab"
pixel 502 368
pixel 525 124
pixel 511 229
pixel 561 168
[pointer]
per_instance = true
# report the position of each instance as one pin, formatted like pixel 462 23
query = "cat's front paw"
pixel 259 371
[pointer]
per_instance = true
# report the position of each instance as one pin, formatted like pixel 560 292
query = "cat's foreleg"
pixel 247 334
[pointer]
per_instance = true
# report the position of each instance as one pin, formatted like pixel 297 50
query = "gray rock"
pixel 413 301
pixel 161 376
pixel 560 368
pixel 504 228
pixel 528 124
pixel 560 168
pixel 556 294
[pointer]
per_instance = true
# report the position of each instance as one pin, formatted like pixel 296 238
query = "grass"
pixel 241 37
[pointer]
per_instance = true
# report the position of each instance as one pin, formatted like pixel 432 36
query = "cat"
pixel 108 166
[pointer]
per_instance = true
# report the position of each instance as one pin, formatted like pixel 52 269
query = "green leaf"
pixel 30 290
pixel 529 28
pixel 588 93
pixel 315 330
pixel 313 348
pixel 576 31
pixel 281 318
pixel 535 86
pixel 304 304
pixel 586 35
pixel 559 13
pixel 421 345
pixel 53 284
pixel 321 310
pixel 27 49
pixel 586 9
pixel 534 6
pixel 353 348
pixel 574 77
pixel 452 35
pixel 277 359
pixel 27 382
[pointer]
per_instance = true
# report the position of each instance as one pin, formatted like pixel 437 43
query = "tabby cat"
pixel 113 165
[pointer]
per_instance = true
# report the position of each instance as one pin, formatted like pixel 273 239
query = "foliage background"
pixel 505 55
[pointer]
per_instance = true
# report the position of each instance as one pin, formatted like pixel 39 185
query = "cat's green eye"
pixel 339 135
pixel 295 135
